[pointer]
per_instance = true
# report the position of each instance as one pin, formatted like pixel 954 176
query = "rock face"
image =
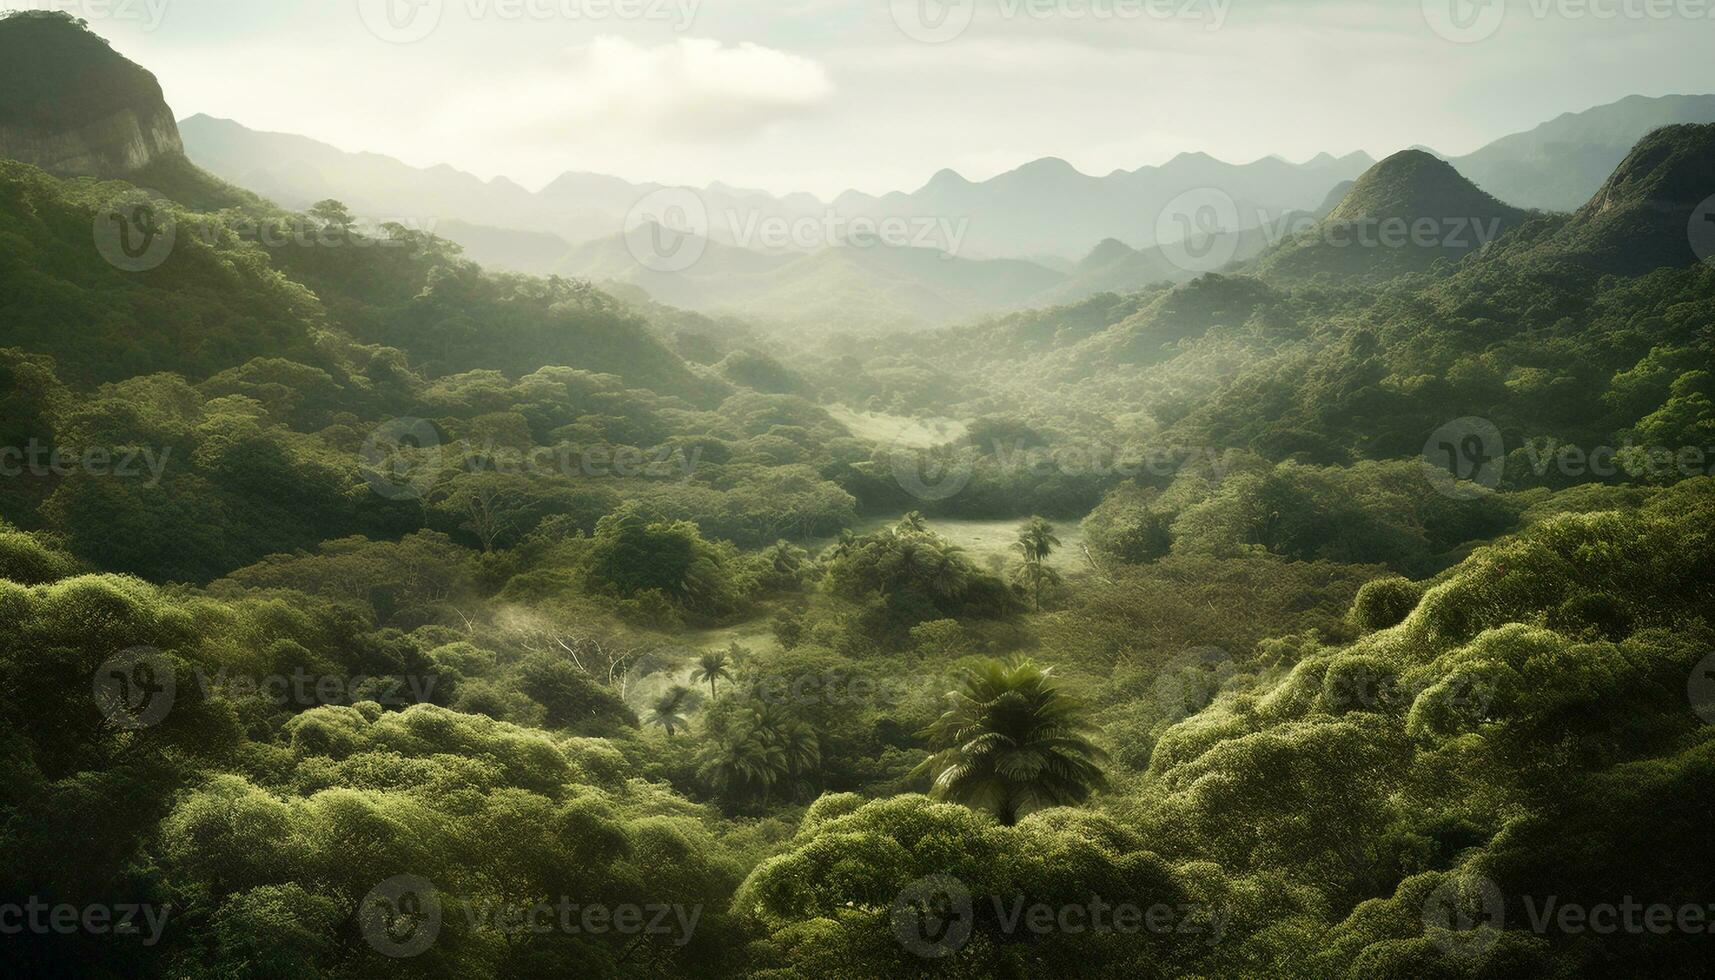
pixel 73 106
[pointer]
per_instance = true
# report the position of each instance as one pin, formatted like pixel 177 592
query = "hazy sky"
pixel 821 95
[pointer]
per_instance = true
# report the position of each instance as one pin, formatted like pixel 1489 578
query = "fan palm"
pixel 1036 540
pixel 712 666
pixel 668 711
pixel 1013 742
pixel 750 765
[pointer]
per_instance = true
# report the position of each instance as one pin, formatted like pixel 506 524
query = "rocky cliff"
pixel 73 106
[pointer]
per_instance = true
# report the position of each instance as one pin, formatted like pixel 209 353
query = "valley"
pixel 517 589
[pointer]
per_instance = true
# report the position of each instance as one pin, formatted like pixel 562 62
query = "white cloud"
pixel 692 90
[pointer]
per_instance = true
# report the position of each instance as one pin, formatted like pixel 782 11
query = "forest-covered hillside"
pixel 370 613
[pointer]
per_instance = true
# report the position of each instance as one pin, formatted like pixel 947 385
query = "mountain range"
pixel 1040 234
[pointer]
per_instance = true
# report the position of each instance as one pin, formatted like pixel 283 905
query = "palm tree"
pixel 1036 539
pixel 668 710
pixel 712 666
pixel 1013 742
pixel 941 565
pixel 748 765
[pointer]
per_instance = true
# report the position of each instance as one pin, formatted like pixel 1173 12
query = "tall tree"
pixel 712 666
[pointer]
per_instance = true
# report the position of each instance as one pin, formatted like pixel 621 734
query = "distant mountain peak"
pixel 946 178
pixel 1193 157
pixel 1414 184
pixel 1107 252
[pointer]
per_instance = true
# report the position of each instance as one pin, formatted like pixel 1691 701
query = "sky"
pixel 878 95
